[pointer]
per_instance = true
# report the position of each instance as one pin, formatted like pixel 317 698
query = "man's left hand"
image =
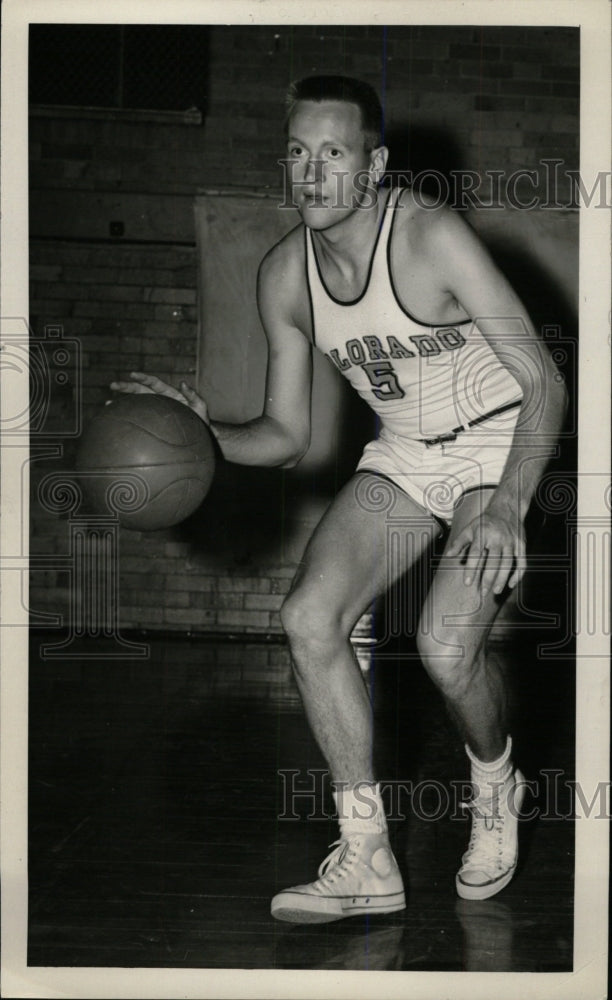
pixel 494 544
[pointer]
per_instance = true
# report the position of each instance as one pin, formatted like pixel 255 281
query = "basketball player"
pixel 406 303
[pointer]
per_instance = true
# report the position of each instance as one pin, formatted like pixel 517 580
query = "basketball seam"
pixel 142 427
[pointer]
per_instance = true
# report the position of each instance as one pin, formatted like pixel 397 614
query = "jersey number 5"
pixel 384 380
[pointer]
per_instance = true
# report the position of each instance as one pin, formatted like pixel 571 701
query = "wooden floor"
pixel 155 842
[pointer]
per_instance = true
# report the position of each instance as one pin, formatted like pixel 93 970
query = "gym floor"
pixel 156 788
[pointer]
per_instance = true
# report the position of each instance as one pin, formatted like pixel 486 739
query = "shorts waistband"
pixel 454 433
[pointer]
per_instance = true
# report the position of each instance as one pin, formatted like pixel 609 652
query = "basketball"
pixel 147 459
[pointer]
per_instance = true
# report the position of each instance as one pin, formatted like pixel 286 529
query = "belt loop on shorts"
pixel 452 435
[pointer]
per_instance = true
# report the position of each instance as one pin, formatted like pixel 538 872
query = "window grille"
pixel 157 67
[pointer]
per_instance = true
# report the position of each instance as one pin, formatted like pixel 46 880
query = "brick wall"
pixel 456 99
pixel 492 98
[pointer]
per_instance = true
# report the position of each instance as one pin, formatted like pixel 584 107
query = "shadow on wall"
pixel 423 157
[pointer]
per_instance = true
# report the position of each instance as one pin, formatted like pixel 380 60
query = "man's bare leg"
pixel 345 567
pixel 452 641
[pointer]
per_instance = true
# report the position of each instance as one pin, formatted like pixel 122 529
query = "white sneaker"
pixel 490 860
pixel 359 876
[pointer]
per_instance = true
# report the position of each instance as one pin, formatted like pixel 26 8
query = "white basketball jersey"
pixel 422 380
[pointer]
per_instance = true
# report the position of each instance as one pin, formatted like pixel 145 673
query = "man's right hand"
pixel 140 382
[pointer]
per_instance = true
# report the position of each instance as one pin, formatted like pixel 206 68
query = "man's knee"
pixel 309 618
pixel 447 653
pixel 292 614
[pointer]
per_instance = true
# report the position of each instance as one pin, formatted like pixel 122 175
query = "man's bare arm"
pixel 484 293
pixel 281 435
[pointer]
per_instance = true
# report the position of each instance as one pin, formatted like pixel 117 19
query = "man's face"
pixel 327 163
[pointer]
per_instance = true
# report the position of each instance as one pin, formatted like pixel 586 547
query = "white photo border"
pixel 588 980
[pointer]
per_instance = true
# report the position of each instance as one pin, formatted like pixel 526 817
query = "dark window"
pixel 162 67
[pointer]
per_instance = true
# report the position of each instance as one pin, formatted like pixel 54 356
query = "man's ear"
pixel 378 163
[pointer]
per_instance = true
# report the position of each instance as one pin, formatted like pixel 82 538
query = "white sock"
pixel 360 808
pixel 488 775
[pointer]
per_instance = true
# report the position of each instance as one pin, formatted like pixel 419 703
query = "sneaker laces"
pixel 485 847
pixel 337 864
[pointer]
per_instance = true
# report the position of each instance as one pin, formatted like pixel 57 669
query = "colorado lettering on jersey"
pixel 369 353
